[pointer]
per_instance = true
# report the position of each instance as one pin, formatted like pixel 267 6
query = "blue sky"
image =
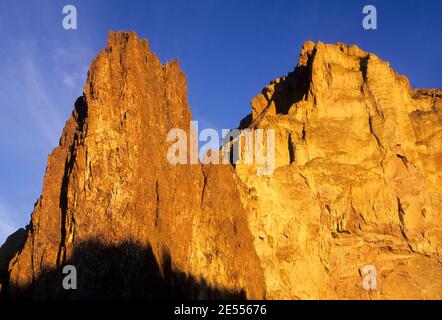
pixel 228 49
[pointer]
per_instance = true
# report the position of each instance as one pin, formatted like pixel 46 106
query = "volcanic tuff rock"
pixel 109 193
pixel 359 170
pixel 357 182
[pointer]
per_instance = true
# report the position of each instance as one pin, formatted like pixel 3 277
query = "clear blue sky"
pixel 229 49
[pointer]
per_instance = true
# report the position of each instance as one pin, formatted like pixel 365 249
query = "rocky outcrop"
pixel 13 245
pixel 110 192
pixel 357 182
pixel 359 159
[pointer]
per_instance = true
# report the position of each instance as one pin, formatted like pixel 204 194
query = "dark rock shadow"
pixel 288 90
pixel 13 245
pixel 81 111
pixel 124 271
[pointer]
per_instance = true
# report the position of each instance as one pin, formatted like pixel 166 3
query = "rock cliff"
pixel 357 182
pixel 359 159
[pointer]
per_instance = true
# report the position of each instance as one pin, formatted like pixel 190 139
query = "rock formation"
pixel 359 159
pixel 357 182
pixel 109 193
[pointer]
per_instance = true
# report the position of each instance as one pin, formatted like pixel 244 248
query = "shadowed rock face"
pixel 13 245
pixel 124 271
pixel 359 162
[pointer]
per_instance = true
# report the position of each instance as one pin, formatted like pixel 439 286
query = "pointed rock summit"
pixel 357 183
pixel 113 206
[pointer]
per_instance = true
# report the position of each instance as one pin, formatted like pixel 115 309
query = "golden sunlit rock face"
pixel 358 180
pixel 357 183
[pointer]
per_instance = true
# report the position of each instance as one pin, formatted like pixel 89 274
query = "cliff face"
pixel 111 202
pixel 357 182
pixel 359 159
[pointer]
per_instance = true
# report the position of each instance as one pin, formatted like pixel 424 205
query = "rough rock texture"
pixel 359 170
pixel 357 182
pixel 13 244
pixel 110 192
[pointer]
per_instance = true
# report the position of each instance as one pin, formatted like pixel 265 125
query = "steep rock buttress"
pixel 357 183
pixel 359 170
pixel 133 224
